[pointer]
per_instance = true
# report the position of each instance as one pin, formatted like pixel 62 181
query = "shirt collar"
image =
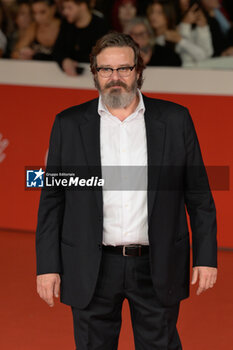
pixel 139 111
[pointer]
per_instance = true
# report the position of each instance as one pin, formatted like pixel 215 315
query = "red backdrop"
pixel 27 114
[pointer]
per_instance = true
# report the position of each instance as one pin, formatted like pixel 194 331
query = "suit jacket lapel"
pixel 90 133
pixel 155 133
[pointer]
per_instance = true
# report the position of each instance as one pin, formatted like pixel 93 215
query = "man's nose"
pixel 115 75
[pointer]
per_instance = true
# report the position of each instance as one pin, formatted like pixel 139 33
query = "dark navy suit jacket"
pixel 70 223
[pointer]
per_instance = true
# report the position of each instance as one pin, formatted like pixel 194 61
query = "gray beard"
pixel 117 99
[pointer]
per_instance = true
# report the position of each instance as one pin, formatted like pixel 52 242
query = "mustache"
pixel 116 83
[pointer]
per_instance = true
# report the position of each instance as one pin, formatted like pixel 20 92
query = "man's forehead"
pixel 138 28
pixel 113 54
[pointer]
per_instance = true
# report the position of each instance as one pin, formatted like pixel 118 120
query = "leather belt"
pixel 127 250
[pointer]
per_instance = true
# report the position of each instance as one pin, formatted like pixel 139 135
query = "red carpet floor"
pixel 27 323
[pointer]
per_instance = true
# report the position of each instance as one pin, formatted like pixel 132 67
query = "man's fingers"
pixel 200 290
pixel 195 275
pixel 43 294
pixel 204 283
pixel 47 285
pixel 207 282
pixel 201 286
pixel 211 284
pixel 57 288
pixel 207 277
pixel 215 276
pixel 49 296
pixel 212 281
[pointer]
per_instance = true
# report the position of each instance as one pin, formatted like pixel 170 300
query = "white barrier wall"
pixel 162 80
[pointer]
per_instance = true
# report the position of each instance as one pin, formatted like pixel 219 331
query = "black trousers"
pixel 97 327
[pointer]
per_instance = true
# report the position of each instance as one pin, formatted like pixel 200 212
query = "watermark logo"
pixel 35 178
pixel 129 178
pixel 39 177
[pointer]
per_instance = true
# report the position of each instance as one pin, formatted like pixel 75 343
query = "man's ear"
pixel 95 80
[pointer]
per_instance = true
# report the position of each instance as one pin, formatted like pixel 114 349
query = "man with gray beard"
pixel 115 98
pixel 99 247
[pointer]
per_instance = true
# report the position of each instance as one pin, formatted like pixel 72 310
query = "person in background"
pixel 9 9
pixel 222 19
pixel 193 26
pixel 23 20
pixel 78 35
pixel 221 40
pixel 3 39
pixel 40 39
pixel 153 55
pixel 227 9
pixel 123 12
pixel 162 17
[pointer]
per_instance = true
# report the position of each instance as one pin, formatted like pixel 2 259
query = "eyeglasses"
pixel 106 72
pixel 139 34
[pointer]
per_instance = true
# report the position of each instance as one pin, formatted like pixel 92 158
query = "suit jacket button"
pixel 170 292
pixel 100 246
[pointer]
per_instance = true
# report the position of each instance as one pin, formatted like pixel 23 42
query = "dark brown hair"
pixel 168 11
pixel 115 39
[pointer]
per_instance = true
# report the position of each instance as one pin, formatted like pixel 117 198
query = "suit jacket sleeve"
pixel 199 201
pixel 50 213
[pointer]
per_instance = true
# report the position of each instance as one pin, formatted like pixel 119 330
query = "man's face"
pixel 24 17
pixel 116 91
pixel 156 17
pixel 126 12
pixel 140 35
pixel 42 13
pixel 71 11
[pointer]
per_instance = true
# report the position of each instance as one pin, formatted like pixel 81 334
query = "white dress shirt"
pixel 123 143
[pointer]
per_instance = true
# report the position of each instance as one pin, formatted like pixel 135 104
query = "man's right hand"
pixel 48 286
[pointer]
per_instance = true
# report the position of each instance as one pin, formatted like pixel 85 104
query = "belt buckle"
pixel 136 246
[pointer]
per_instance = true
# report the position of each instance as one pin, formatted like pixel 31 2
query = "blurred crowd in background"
pixel 169 33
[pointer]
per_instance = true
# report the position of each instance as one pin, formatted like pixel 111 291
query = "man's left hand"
pixel 207 277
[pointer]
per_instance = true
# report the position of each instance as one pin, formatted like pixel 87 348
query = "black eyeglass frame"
pixel 117 69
